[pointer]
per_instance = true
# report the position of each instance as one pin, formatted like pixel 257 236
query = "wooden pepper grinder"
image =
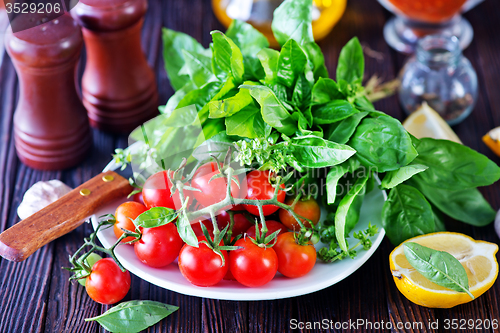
pixel 118 87
pixel 51 128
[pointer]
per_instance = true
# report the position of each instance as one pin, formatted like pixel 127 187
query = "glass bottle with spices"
pixel 441 76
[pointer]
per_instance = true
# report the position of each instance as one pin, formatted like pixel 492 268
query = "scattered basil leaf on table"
pixel 133 316
pixel 406 214
pixel 438 266
pixel 396 177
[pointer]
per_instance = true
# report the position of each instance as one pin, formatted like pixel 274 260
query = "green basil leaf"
pixel 229 106
pixel 227 56
pixel 198 67
pixel 217 146
pixel 396 177
pixel 291 63
pixel 363 103
pixel 200 97
pixel 351 64
pixel 352 217
pixel 343 210
pixel 302 95
pixel 269 61
pixel 293 20
pixel 273 111
pixel 253 69
pixel 133 316
pixel 326 90
pixel 186 231
pixel 468 206
pixel 173 44
pixel 333 111
pixel 247 123
pixel 453 166
pixel 246 37
pixel 315 152
pixel 155 217
pixel 439 267
pixel 406 214
pixel 334 175
pixel 382 142
pixel 175 99
pixel 317 60
pixel 342 131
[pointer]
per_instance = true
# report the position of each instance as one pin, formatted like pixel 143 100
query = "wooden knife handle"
pixel 62 216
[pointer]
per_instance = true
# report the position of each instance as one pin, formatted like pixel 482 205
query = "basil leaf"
pixel 173 44
pixel 439 267
pixel 291 63
pixel 382 142
pixel 198 67
pixel 227 56
pixel 155 217
pixel 247 123
pixel 269 61
pixel 293 20
pixel 246 37
pixel 302 95
pixel 453 166
pixel 342 131
pixel 334 175
pixel 326 90
pixel 352 217
pixel 315 152
pixel 217 146
pixel 468 206
pixel 175 99
pixel 229 106
pixel 200 97
pixel 317 60
pixel 186 232
pixel 351 64
pixel 406 214
pixel 133 316
pixel 333 111
pixel 273 111
pixel 396 177
pixel 343 210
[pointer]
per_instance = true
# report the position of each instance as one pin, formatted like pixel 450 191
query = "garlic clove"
pixel 40 195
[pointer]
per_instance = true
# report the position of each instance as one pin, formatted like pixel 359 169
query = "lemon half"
pixel 477 257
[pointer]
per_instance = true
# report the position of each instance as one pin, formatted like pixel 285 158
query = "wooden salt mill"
pixel 118 87
pixel 51 129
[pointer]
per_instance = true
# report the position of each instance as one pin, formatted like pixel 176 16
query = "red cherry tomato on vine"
pixel 294 260
pixel 156 192
pixel 241 223
pixel 252 265
pixel 259 188
pixel 124 215
pixel 214 191
pixel 197 228
pixel 107 284
pixel 158 246
pixel 271 225
pixel 138 198
pixel 201 266
pixel 238 208
pixel 308 208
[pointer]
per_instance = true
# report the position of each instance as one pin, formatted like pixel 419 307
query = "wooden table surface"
pixel 35 295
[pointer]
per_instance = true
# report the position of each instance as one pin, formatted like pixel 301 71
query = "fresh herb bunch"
pixel 280 109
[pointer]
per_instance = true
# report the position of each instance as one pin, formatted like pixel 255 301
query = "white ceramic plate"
pixel 322 275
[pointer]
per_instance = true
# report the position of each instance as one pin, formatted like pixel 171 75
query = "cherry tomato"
pixel 211 191
pixel 271 225
pixel 259 188
pixel 124 215
pixel 241 223
pixel 238 208
pixel 308 208
pixel 294 260
pixel 138 198
pixel 158 246
pixel 251 265
pixel 197 228
pixel 156 192
pixel 107 284
pixel 201 266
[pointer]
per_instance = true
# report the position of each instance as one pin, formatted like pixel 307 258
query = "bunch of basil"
pixel 245 92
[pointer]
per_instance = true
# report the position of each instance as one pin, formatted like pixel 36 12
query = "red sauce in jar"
pixel 430 11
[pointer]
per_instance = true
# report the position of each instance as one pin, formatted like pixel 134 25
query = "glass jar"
pixel 259 13
pixel 441 76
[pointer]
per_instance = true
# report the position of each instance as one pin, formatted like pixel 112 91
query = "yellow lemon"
pixel 427 123
pixel 477 257
pixel 492 140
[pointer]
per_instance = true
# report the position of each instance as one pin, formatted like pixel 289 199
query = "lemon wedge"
pixel 492 140
pixel 477 257
pixel 427 123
